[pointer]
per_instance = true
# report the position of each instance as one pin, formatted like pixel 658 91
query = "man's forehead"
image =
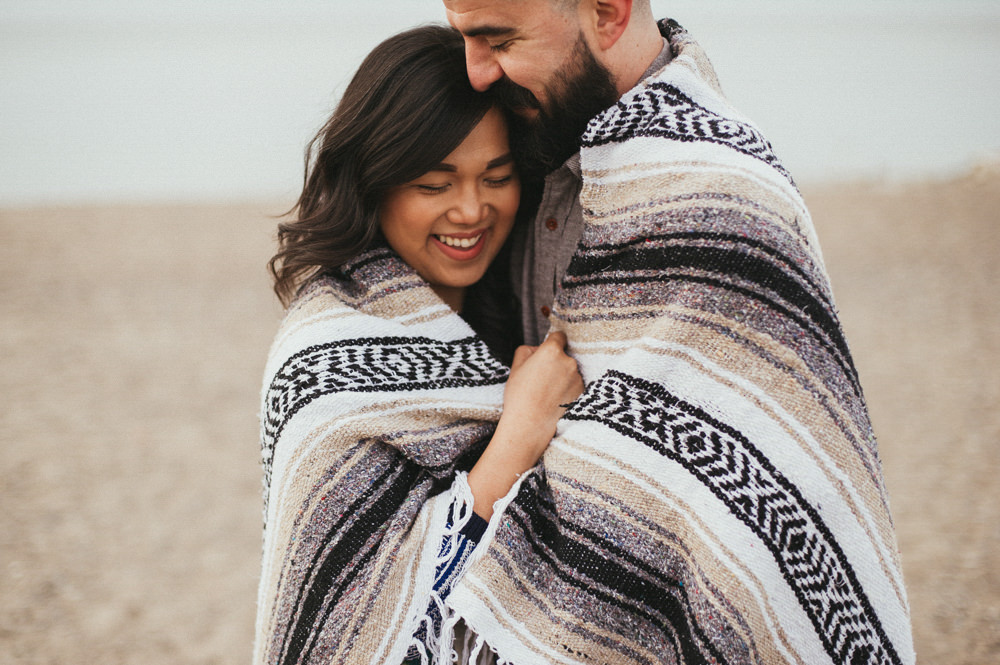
pixel 478 17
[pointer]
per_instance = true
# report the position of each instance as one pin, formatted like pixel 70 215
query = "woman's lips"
pixel 461 246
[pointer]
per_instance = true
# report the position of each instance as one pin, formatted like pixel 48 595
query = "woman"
pixel 378 395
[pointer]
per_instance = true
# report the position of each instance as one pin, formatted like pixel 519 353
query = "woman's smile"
pixel 450 223
pixel 461 246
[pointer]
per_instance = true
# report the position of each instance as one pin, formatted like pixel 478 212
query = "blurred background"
pixel 146 148
pixel 202 100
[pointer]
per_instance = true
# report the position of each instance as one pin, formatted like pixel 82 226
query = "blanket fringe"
pixel 445 644
pixel 437 646
pixel 473 649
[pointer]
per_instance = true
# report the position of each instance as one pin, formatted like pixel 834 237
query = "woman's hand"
pixel 542 379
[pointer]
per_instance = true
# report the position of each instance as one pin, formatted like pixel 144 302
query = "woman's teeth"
pixel 463 243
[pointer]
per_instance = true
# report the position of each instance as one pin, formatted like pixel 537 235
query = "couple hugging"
pixel 561 379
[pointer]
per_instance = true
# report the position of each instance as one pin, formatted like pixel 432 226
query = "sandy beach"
pixel 132 344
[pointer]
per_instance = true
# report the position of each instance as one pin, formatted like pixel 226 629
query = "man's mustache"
pixel 513 96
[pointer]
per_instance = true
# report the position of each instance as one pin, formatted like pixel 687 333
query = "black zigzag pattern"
pixel 738 474
pixel 663 110
pixel 370 365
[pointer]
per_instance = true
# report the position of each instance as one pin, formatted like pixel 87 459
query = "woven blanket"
pixel 376 398
pixel 716 495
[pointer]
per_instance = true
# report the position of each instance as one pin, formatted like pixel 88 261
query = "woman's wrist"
pixel 509 454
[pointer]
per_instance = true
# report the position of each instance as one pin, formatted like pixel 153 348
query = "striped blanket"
pixel 376 398
pixel 716 495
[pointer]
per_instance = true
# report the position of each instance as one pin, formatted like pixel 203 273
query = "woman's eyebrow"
pixel 500 161
pixel 492 164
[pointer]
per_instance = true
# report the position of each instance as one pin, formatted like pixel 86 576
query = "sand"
pixel 131 350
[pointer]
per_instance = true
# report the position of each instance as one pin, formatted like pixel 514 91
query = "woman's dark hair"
pixel 408 107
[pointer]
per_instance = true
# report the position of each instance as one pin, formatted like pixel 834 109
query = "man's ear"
pixel 608 19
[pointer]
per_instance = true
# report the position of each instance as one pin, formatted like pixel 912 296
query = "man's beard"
pixel 542 143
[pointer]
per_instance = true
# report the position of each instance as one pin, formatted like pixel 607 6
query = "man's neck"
pixel 634 53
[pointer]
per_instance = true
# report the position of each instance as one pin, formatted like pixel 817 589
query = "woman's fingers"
pixel 573 382
pixel 557 338
pixel 521 354
pixel 543 379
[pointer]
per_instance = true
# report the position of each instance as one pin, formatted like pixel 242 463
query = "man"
pixel 539 58
pixel 716 494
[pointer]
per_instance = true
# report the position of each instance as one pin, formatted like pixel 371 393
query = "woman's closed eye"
pixel 428 188
pixel 499 181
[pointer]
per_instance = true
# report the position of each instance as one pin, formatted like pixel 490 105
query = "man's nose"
pixel 483 68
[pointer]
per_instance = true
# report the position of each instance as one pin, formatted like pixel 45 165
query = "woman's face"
pixel 450 222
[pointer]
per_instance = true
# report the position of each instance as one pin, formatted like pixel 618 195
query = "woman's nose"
pixel 470 207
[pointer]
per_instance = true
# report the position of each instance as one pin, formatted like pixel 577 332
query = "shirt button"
pixel 546 311
pixel 551 224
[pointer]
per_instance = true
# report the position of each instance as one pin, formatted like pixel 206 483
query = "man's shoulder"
pixel 679 108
